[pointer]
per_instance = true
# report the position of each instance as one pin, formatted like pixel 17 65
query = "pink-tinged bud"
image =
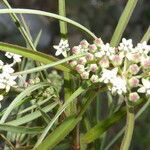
pixel 84 44
pixel 98 41
pixel 89 57
pixel 104 62
pixel 146 64
pixel 135 57
pixel 80 68
pixel 94 79
pixel 134 69
pixel 116 60
pixel 92 48
pixel 134 96
pixel 93 67
pixel 26 84
pixel 82 61
pixel 134 82
pixel 73 63
pixel 76 50
pixel 85 75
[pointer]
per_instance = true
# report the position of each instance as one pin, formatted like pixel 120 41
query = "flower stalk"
pixel 128 129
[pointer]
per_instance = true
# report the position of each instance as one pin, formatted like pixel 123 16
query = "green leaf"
pixel 123 21
pixel 47 14
pixel 32 116
pixel 37 56
pixel 146 36
pixel 19 98
pixel 102 126
pixel 59 134
pixel 20 129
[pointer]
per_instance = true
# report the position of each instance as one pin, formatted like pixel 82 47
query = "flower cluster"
pixel 6 79
pixel 124 69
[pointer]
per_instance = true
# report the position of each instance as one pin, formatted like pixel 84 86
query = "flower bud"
pixel 134 69
pixel 134 82
pixel 80 68
pixel 146 64
pixel 82 61
pixel 104 62
pixel 37 80
pixel 98 41
pixel 76 50
pixel 92 48
pixel 93 67
pixel 31 81
pixel 94 79
pixel 116 60
pixel 84 44
pixel 89 57
pixel 85 75
pixel 134 96
pixel 73 63
pixel 134 57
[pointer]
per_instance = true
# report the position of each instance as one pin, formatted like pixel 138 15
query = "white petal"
pixel 142 90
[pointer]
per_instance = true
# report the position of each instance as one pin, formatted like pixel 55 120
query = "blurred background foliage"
pixel 100 16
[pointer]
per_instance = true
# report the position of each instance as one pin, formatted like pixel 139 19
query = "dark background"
pixel 100 16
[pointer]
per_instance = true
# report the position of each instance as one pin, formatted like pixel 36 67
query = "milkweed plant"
pixel 49 109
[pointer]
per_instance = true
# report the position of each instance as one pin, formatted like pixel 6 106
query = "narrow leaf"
pixel 123 21
pixel 102 126
pixel 59 134
pixel 20 129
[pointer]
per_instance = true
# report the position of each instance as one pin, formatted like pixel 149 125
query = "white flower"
pixel 118 85
pixel 143 48
pixel 7 69
pixel 16 58
pixel 62 48
pixel 99 54
pixel 146 87
pixel 108 75
pixel 126 45
pixel 107 49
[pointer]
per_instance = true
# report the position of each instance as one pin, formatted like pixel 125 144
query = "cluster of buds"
pixel 7 80
pixel 124 69
pixel 31 82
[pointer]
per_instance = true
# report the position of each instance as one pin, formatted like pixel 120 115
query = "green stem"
pixel 128 129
